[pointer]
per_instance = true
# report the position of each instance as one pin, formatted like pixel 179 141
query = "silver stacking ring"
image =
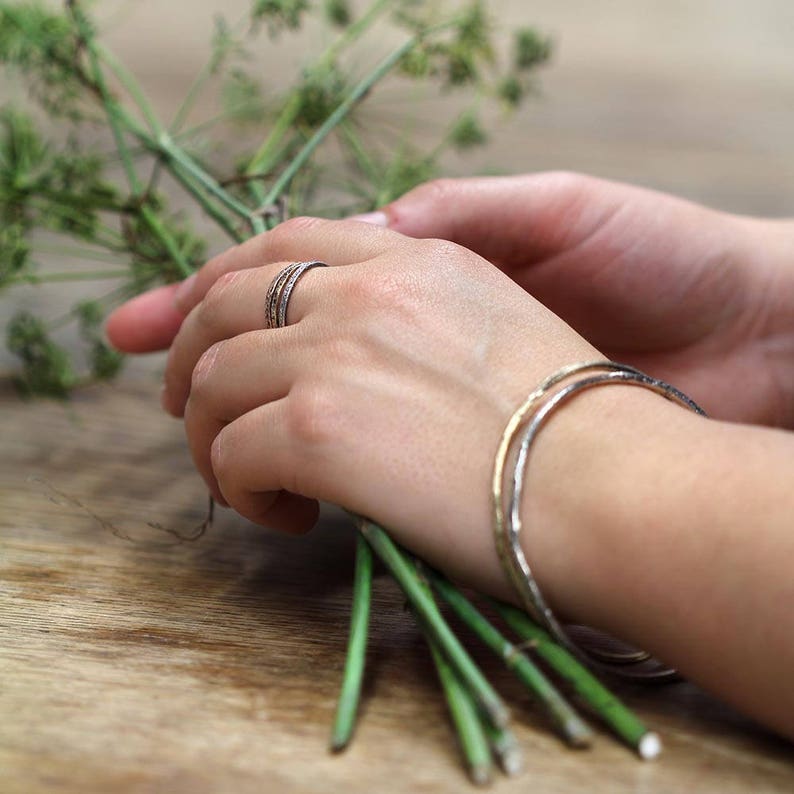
pixel 277 299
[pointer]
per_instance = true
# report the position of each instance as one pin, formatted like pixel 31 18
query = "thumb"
pixel 512 220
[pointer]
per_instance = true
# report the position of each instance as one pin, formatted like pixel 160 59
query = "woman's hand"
pixel 386 393
pixel 699 298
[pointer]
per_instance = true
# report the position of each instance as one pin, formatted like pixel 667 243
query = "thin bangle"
pixel 632 664
pixel 510 431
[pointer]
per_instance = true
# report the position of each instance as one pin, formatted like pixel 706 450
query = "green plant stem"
pixel 425 607
pixel 130 84
pixel 362 158
pixel 264 159
pixel 344 108
pixel 465 717
pixel 617 716
pixel 88 275
pixel 207 71
pixel 504 746
pixel 573 729
pixel 355 30
pixel 165 145
pixel 116 125
pixel 347 705
pixel 184 168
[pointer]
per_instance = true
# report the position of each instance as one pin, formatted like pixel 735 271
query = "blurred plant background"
pixel 691 98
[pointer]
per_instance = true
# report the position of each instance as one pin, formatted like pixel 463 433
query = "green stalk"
pixel 131 85
pixel 206 72
pixel 162 144
pixel 573 729
pixel 165 145
pixel 360 155
pixel 263 160
pixel 89 275
pixel 347 705
pixel 355 30
pixel 465 717
pixel 427 610
pixel 115 121
pixel 215 213
pixel 617 716
pixel 322 132
pixel 504 746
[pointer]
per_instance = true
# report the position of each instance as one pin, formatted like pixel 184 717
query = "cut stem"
pixel 616 715
pixel 465 717
pixel 350 696
pixel 426 609
pixel 573 729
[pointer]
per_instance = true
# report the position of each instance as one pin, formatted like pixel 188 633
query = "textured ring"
pixel 278 295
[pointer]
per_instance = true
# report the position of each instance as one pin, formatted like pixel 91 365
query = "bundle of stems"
pixel 65 191
pixel 478 713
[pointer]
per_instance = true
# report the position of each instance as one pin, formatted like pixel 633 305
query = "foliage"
pixel 60 186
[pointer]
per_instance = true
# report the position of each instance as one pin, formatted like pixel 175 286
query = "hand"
pixel 698 298
pixel 385 394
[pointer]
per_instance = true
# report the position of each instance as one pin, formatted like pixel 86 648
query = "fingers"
pixel 258 467
pixel 235 304
pixel 146 323
pixel 518 219
pixel 232 378
pixel 296 240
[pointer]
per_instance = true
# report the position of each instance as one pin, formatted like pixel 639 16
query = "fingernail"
pixel 374 218
pixel 183 291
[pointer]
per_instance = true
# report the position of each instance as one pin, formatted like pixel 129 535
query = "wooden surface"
pixel 132 661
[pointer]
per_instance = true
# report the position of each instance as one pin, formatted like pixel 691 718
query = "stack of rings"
pixel 277 299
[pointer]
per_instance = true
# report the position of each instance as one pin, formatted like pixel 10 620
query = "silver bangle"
pixel 627 663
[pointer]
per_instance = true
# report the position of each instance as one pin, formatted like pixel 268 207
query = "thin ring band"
pixel 273 293
pixel 521 574
pixel 280 291
pixel 289 286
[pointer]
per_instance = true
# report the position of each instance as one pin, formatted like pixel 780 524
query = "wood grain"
pixel 132 661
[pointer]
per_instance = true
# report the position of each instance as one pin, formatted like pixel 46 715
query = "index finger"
pixel 298 239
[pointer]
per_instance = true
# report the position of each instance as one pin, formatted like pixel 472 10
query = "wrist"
pixel 588 499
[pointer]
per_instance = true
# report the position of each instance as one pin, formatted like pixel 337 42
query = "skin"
pixel 402 362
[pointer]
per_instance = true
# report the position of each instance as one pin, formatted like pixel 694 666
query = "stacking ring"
pixel 277 299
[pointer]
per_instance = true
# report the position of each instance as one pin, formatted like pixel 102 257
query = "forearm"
pixel 677 537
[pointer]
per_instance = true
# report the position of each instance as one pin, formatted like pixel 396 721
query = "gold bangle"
pixel 531 416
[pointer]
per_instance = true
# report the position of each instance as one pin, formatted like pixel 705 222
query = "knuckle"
pixel 381 291
pixel 292 227
pixel 209 308
pixel 202 372
pixel 313 416
pixel 563 181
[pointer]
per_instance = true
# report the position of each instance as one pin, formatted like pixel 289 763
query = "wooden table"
pixel 135 660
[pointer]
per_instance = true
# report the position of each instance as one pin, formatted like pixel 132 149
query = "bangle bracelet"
pixel 507 523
